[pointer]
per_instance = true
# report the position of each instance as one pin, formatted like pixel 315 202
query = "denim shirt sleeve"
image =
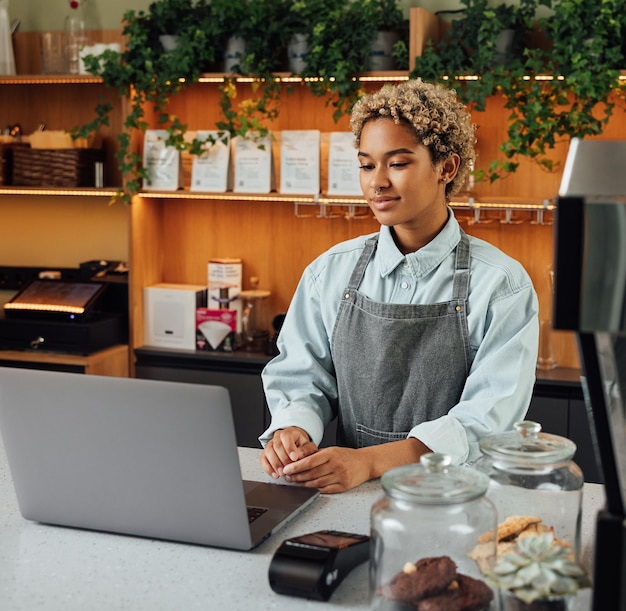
pixel 299 383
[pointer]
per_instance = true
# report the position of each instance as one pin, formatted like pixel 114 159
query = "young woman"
pixel 417 338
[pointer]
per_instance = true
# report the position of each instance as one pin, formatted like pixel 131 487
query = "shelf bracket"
pixel 475 209
pixel 540 214
pixel 300 215
pixel 351 214
pixel 508 218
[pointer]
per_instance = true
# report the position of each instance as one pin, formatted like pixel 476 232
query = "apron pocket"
pixel 371 437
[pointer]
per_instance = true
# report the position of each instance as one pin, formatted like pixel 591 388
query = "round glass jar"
pixel 426 532
pixel 532 474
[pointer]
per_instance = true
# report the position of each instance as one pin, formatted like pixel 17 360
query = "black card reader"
pixel 313 565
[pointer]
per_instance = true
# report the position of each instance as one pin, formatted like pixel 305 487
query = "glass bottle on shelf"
pixel 76 35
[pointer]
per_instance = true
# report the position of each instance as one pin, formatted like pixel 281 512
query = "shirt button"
pixel 404 285
pixel 405 264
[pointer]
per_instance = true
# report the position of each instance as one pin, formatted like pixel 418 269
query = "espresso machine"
pixel 590 299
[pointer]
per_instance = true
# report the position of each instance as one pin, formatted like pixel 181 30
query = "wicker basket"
pixel 55 167
pixel 6 161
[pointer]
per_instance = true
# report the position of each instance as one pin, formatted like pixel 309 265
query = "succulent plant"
pixel 538 568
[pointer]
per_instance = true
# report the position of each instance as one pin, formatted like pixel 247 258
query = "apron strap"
pixel 460 287
pixel 359 269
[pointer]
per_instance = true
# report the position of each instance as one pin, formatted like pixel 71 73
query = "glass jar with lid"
pixel 532 476
pixel 428 536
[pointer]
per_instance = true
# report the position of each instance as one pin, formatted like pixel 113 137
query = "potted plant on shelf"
pixel 574 94
pixel 260 27
pixel 340 48
pixel 579 97
pixel 537 575
pixel 471 46
pixel 260 24
pixel 301 19
pixel 168 17
pixel 389 22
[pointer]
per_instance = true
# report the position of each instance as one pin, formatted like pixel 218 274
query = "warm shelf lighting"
pixel 367 77
pixel 42 307
pixel 83 192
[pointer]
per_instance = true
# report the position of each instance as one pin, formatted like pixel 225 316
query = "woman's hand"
pixel 330 470
pixel 337 469
pixel 286 446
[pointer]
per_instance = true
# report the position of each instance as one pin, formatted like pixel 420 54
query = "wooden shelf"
pixel 494 203
pixel 50 79
pixel 211 77
pixel 351 208
pixel 113 361
pixel 59 227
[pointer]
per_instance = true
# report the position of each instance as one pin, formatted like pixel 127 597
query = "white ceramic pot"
pixel 168 41
pixel 503 45
pixel 297 50
pixel 381 57
pixel 234 53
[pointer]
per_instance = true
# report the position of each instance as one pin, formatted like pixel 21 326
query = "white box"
pixel 170 314
pixel 225 276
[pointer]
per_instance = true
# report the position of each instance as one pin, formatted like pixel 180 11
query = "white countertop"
pixel 48 568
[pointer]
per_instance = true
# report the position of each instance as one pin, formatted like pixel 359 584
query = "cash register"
pixel 77 313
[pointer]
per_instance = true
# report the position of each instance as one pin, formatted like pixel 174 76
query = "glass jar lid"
pixel 434 482
pixel 528 445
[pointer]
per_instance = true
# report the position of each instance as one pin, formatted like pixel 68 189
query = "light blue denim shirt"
pixel 300 384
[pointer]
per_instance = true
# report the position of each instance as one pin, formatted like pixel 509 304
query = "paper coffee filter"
pixel 215 332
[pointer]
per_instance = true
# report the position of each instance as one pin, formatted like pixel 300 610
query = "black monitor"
pixel 590 299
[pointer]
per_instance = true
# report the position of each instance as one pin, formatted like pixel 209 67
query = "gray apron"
pixel 398 365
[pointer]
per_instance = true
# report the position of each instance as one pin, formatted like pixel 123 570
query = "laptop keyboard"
pixel 254 513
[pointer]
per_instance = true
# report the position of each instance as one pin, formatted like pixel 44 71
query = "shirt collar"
pixel 424 260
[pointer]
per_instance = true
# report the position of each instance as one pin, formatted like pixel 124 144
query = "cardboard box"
pixel 216 330
pixel 170 314
pixel 224 277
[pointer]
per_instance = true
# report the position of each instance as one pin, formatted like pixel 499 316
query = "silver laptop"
pixel 137 457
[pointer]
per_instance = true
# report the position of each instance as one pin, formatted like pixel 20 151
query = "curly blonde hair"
pixel 441 123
